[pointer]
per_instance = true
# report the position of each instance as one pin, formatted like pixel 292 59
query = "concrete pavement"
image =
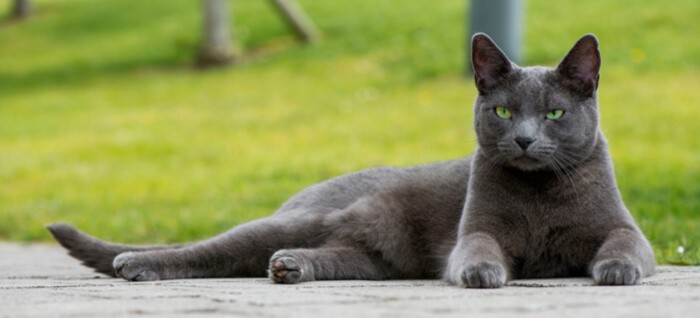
pixel 42 280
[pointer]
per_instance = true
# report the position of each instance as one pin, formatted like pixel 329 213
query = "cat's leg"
pixel 291 266
pixel 243 251
pixel 477 261
pixel 93 252
pixel 624 259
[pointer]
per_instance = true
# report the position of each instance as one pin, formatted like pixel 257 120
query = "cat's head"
pixel 536 118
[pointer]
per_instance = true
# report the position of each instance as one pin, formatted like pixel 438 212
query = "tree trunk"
pixel 21 9
pixel 216 44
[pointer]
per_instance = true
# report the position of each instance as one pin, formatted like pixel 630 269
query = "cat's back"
pixel 340 192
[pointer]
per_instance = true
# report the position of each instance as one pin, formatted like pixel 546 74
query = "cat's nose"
pixel 524 142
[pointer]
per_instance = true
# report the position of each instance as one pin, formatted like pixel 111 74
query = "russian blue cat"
pixel 536 199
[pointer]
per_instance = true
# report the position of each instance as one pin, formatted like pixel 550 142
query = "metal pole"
pixel 502 20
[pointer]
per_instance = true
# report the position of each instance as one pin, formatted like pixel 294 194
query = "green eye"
pixel 503 112
pixel 555 114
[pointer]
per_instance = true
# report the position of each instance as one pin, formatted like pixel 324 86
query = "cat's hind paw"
pixel 130 267
pixel 617 272
pixel 285 268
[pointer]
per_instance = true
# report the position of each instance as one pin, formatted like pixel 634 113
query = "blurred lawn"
pixel 105 124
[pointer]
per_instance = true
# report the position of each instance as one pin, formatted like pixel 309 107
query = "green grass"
pixel 105 124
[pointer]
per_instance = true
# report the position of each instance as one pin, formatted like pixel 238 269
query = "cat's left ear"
pixel 580 69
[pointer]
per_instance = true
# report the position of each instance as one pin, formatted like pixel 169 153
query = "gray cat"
pixel 537 199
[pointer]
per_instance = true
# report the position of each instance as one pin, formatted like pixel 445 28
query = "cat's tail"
pixel 93 252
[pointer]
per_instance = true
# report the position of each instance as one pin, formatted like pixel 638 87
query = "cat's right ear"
pixel 489 62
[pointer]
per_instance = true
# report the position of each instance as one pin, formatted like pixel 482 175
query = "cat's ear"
pixel 581 66
pixel 489 62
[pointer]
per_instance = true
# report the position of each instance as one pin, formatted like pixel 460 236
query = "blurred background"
pixel 106 122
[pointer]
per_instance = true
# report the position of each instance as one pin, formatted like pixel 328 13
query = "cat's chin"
pixel 527 163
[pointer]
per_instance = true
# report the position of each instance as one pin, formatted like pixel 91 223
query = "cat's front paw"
pixel 130 267
pixel 485 274
pixel 286 268
pixel 617 272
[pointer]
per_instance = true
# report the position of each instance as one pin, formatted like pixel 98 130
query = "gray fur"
pixel 537 199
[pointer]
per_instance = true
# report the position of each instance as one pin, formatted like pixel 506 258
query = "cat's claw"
pixel 285 269
pixel 617 272
pixel 484 275
pixel 127 266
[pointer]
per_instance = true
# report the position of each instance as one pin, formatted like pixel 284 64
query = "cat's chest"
pixel 556 251
pixel 558 237
pixel 549 227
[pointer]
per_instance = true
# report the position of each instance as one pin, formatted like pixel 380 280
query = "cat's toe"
pixel 130 267
pixel 617 272
pixel 484 275
pixel 285 269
